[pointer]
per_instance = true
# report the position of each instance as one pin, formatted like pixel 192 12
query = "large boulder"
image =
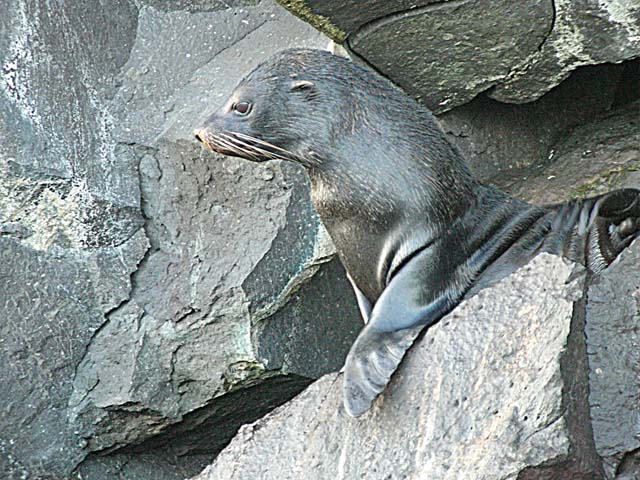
pixel 446 53
pixel 495 390
pixel 613 347
pixel 147 285
pixel 506 143
pixel 593 158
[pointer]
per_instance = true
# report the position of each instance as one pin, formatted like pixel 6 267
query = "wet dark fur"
pixel 400 202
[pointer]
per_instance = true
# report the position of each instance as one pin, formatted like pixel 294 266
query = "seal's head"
pixel 281 109
pixel 365 143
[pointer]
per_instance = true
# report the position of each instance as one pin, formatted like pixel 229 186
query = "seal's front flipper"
pixel 371 361
pixel 404 308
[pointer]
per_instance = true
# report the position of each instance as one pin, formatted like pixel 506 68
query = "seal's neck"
pixel 381 171
pixel 384 186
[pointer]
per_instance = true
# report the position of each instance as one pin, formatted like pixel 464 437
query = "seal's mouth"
pixel 237 144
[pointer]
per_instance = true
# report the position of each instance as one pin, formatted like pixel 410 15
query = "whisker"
pixel 267 144
pixel 223 142
pixel 220 142
pixel 247 149
pixel 254 148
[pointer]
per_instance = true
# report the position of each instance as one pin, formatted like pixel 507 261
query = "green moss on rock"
pixel 605 181
pixel 244 374
pixel 300 9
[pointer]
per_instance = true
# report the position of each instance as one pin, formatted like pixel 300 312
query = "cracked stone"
pixel 493 400
pixel 445 53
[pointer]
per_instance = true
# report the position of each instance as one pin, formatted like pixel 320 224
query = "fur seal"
pixel 414 229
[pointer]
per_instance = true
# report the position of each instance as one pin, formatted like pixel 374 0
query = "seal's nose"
pixel 199 133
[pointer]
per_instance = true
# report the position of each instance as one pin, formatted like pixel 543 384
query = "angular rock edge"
pixel 487 393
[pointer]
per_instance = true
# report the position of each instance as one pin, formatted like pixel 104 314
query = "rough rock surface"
pixel 505 143
pixel 69 215
pixel 456 408
pixel 154 297
pixel 146 285
pixel 593 158
pixel 519 50
pixel 613 340
pixel 590 159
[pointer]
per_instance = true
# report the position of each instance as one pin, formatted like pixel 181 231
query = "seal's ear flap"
pixel 306 87
pixel 302 85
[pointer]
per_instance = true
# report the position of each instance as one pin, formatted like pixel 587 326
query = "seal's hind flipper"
pixel 594 231
pixel 619 221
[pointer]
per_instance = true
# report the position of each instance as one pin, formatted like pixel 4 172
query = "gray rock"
pixel 145 280
pixel 197 5
pixel 51 304
pixel 446 53
pixel 584 32
pixel 320 308
pixel 613 339
pixel 185 448
pixel 457 407
pixel 340 19
pixel 507 143
pixel 593 158
pixel 69 206
pixel 445 61
pixel 629 468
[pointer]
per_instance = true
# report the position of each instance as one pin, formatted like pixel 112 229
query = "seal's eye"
pixel 242 108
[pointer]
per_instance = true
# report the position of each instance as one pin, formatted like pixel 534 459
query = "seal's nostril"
pixel 199 133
